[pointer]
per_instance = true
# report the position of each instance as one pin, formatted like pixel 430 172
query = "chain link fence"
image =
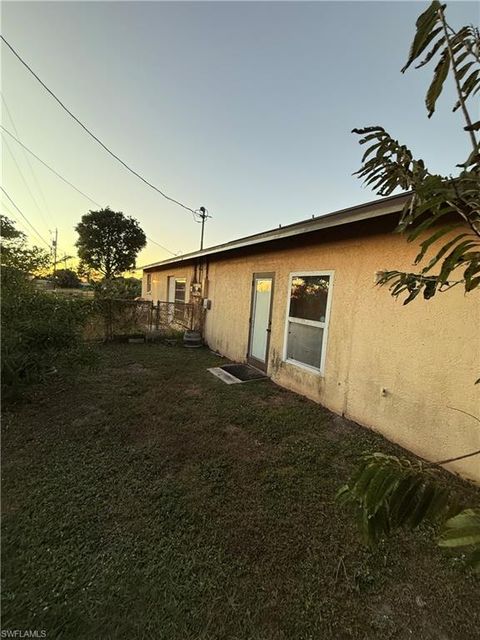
pixel 111 319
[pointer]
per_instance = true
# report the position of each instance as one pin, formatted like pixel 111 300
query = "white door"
pixel 260 319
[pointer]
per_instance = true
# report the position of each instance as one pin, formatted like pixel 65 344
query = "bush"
pixel 66 279
pixel 119 288
pixel 39 332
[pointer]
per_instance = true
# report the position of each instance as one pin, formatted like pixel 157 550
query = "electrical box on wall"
pixel 196 288
pixel 207 304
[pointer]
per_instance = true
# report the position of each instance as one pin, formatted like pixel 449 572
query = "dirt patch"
pixel 338 428
pixel 277 400
pixel 91 416
pixel 136 367
pixel 233 430
pixel 242 445
pixel 193 391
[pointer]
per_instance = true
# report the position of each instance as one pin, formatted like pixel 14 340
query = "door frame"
pixel 170 302
pixel 263 366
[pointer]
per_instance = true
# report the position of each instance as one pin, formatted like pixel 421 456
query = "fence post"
pixel 108 319
pixel 157 315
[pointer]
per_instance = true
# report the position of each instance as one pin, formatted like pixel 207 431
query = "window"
pixel 149 283
pixel 179 298
pixel 309 297
pixel 180 289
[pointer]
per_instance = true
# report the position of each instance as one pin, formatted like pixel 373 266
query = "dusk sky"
pixel 245 108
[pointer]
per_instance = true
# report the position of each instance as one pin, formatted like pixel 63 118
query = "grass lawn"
pixel 147 499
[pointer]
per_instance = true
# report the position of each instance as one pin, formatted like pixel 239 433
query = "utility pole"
pixel 203 213
pixel 54 252
pixel 65 258
pixel 54 245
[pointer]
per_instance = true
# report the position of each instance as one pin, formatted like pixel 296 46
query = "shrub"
pixel 39 332
pixel 66 279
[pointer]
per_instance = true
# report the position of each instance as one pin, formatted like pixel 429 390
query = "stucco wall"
pixel 424 356
pixel 160 283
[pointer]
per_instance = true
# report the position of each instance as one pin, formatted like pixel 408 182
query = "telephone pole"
pixel 54 245
pixel 203 213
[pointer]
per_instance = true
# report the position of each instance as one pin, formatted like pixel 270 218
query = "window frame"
pixel 148 283
pixel 178 309
pixel 184 282
pixel 313 323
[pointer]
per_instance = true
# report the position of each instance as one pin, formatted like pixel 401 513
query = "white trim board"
pixel 321 371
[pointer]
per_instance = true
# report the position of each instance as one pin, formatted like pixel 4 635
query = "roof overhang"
pixel 367 211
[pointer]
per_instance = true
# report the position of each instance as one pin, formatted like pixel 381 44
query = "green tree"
pixel 18 260
pixel 442 213
pixel 90 275
pixel 66 279
pixel 108 241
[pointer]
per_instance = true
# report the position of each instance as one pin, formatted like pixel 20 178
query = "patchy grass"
pixel 147 499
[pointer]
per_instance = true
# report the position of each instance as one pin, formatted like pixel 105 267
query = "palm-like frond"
pixel 438 206
pixel 389 492
pixel 386 164
pixel 443 214
pixel 463 531
pixel 459 51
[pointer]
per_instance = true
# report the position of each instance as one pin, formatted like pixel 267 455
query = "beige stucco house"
pixel 301 303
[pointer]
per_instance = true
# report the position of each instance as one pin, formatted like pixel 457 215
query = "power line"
pixel 27 186
pixel 26 219
pixel 27 159
pixel 68 182
pixel 13 216
pixel 85 128
pixel 49 167
pixel 161 246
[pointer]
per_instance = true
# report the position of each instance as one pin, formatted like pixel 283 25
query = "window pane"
pixel 180 286
pixel 261 317
pixel 308 297
pixel 304 343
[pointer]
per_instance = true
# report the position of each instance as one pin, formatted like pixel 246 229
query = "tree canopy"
pixel 109 242
pixel 17 258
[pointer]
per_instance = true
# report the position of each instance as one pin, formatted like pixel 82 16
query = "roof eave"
pixel 366 211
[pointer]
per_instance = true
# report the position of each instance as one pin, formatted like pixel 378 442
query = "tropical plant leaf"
pixel 425 25
pixel 426 244
pixel 439 76
pixel 389 492
pixel 387 164
pixel 462 530
pixel 439 43
pixel 445 249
